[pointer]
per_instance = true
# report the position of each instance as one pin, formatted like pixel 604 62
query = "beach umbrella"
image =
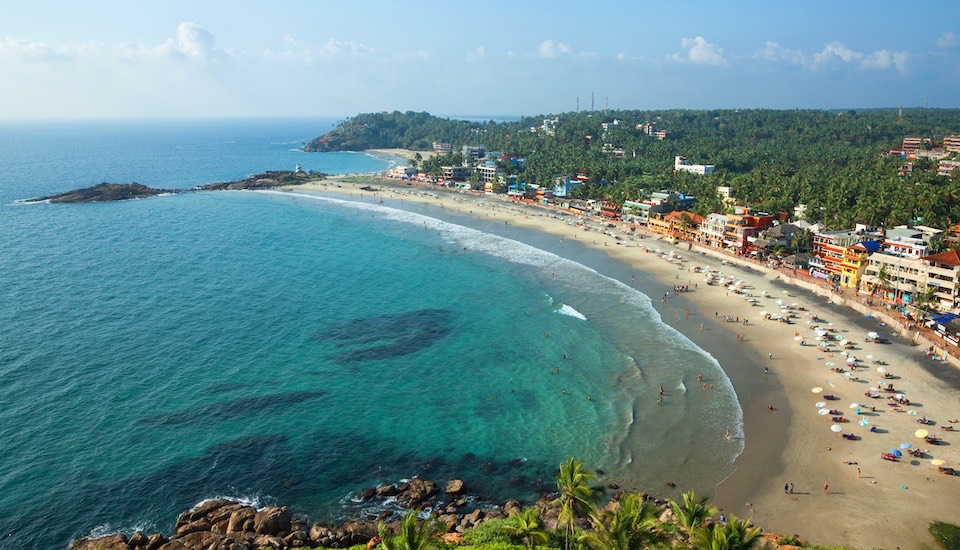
pixel 823 412
pixel 854 405
pixel 873 335
pixel 899 396
pixel 821 404
pixel 871 357
pixel 851 360
pixel 798 338
pixel 836 428
pixel 823 344
pixel 906 445
pixel 818 389
pixel 830 364
pixel 921 433
pixel 844 353
pixel 763 313
pixel 881 370
pixel 848 374
pixel 863 422
pixel 937 462
pixel 912 413
pixel 896 452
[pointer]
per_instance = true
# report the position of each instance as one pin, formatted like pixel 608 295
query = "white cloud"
pixel 700 51
pixel 948 40
pixel 878 60
pixel 833 51
pixel 772 51
pixel 548 49
pixel 477 54
pixel 26 50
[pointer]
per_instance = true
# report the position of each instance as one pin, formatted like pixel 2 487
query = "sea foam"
pixel 569 310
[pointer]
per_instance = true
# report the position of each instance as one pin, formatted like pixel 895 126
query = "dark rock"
pixel 368 494
pixel 173 545
pixel 272 521
pixel 273 541
pixel 474 516
pixel 613 486
pixel 511 507
pixel 387 491
pixel 420 490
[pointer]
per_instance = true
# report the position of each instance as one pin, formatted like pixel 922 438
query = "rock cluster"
pixel 230 525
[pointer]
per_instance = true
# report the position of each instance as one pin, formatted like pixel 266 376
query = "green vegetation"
pixel 947 534
pixel 831 161
pixel 414 534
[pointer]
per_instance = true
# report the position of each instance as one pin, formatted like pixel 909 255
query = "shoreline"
pixel 791 443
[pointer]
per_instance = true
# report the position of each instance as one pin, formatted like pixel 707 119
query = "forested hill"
pixel 408 130
pixel 776 159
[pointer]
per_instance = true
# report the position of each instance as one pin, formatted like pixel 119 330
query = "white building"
pixel 681 164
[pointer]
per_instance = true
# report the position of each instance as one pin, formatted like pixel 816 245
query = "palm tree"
pixel 414 535
pixel 737 534
pixel 631 526
pixel 883 280
pixel 691 513
pixel 576 496
pixel 526 525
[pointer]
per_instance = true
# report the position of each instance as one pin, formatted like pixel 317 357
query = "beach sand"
pixel 888 504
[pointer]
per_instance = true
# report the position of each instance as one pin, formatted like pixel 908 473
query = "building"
pixel 829 248
pixel 951 144
pixel 911 145
pixel 742 226
pixel 681 164
pixel 488 171
pixel 943 278
pixel 678 225
pixel 472 153
pixel 712 230
pixel 441 147
pixel 562 187
pixel 855 261
pixel 948 168
pixel 456 173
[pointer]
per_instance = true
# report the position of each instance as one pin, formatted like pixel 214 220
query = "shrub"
pixel 488 532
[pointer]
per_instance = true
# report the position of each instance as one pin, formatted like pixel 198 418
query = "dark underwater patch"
pixel 231 409
pixel 389 335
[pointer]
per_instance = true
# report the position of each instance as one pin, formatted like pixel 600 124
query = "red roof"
pixel 950 257
pixel 694 219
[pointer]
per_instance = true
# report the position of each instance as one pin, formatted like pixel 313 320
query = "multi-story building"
pixel 472 153
pixel 712 230
pixel 456 173
pixel 855 260
pixel 951 144
pixel 681 164
pixel 441 147
pixel 828 252
pixel 943 278
pixel 742 226
pixel 563 186
pixel 948 168
pixel 488 171
pixel 911 145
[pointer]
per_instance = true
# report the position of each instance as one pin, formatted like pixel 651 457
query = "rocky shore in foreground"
pixel 110 192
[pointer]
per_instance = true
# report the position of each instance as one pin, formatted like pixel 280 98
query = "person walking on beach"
pixel 826 487
pixel 786 488
pixel 791 488
pixel 770 355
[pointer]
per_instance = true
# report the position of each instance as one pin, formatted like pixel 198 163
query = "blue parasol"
pixel 896 452
pixel 906 446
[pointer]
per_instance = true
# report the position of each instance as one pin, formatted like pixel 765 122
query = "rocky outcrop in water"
pixel 230 525
pixel 109 192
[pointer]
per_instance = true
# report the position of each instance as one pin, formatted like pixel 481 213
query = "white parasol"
pixel 836 428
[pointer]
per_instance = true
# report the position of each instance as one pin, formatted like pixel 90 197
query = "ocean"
pixel 291 348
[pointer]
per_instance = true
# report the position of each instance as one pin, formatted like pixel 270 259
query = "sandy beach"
pixel 843 492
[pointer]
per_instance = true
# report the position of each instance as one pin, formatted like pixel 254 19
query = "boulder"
pixel 274 542
pixel 110 542
pixel 155 541
pixel 511 507
pixel 387 491
pixel 318 532
pixel 420 490
pixel 373 543
pixel 241 520
pixel 173 545
pixel 272 521
pixel 297 539
pixel 452 538
pixel 202 524
pixel 199 540
pixel 473 517
pixel 138 540
pixel 454 487
pixel 202 510
pixel 450 520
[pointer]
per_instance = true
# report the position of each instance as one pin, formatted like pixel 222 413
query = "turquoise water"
pixel 289 348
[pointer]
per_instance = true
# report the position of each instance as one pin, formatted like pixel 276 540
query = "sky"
pixel 312 58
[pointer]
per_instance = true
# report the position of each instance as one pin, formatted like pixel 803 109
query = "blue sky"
pixel 116 59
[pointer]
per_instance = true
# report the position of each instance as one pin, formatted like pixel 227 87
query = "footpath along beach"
pixel 795 475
